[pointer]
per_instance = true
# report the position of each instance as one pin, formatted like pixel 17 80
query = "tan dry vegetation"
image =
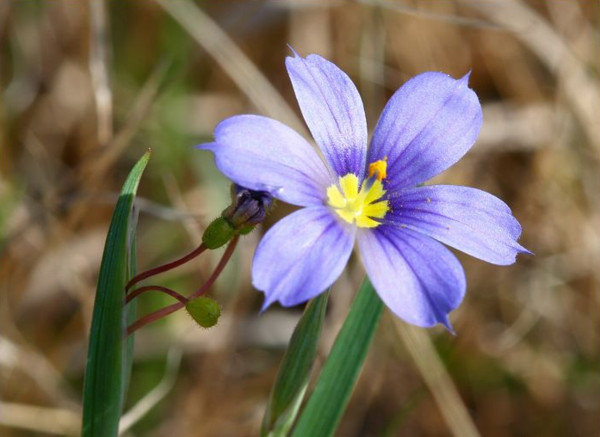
pixel 87 87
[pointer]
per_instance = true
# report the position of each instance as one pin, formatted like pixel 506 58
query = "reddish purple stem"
pixel 165 267
pixel 174 307
pixel 166 290
pixel 153 317
pixel 215 274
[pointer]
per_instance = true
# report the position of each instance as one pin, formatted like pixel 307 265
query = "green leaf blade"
pixel 109 355
pixel 339 374
pixel 295 369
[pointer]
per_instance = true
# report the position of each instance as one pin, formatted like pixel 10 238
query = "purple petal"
pixel 333 111
pixel 418 278
pixel 427 125
pixel 301 255
pixel 467 219
pixel 265 155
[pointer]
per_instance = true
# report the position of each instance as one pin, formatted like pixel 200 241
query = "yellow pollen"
pixel 360 206
pixel 378 168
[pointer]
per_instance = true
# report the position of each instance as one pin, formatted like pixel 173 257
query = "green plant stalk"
pixel 336 381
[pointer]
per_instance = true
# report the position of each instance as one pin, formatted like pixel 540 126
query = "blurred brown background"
pixel 88 86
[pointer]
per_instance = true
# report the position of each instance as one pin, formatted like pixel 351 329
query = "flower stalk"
pixel 165 267
pixel 165 290
pixel 159 314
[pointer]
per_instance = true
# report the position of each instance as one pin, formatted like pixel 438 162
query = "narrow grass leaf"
pixel 294 372
pixel 334 386
pixel 131 307
pixel 109 356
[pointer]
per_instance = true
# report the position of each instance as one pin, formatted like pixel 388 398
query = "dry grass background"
pixel 87 87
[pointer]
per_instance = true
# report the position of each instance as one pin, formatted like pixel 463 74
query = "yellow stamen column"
pixel 360 206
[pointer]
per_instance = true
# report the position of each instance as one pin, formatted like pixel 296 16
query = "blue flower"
pixel 372 195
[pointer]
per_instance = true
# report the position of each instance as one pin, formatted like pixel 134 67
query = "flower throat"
pixel 360 205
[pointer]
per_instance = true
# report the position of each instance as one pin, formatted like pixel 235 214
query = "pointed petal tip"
pixel 446 323
pixel 466 77
pixel 266 304
pixel 268 298
pixel 518 250
pixel 206 146
pixel 525 251
pixel 295 53
pixel 443 320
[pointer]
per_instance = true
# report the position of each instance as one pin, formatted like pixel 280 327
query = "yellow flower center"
pixel 360 206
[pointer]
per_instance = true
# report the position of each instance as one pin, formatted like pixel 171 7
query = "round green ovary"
pixel 204 310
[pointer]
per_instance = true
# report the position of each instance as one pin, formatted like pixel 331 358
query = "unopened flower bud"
pixel 248 207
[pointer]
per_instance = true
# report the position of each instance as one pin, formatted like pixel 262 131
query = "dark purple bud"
pixel 248 207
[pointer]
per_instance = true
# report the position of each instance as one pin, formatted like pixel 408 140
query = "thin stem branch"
pixel 165 290
pixel 215 274
pixel 165 267
pixel 152 317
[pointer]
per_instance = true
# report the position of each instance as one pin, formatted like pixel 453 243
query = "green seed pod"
pixel 218 233
pixel 204 310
